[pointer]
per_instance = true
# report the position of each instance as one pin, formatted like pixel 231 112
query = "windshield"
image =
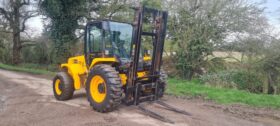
pixel 119 39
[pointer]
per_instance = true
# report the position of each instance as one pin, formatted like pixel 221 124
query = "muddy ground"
pixel 27 100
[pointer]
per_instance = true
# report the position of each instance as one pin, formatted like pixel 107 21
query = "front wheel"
pixel 103 87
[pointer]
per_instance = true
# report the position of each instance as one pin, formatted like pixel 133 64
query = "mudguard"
pixel 76 67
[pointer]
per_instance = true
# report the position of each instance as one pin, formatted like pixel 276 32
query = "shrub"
pixel 168 66
pixel 239 79
pixel 6 53
pixel 39 53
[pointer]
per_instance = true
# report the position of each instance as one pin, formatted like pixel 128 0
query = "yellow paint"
pixel 95 94
pixel 124 77
pixel 141 74
pixel 57 89
pixel 147 58
pixel 96 61
pixel 76 67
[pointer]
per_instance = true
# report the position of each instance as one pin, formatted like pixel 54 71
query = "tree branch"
pixel 115 11
pixel 26 34
pixel 24 21
pixel 5 13
pixel 25 2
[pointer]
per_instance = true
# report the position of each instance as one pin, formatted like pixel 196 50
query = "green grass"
pixel 220 95
pixel 25 68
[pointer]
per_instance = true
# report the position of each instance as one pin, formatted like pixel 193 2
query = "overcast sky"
pixel 272 12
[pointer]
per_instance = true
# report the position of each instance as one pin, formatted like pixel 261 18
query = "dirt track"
pixel 27 100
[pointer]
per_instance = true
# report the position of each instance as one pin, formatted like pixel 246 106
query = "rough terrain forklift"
pixel 115 67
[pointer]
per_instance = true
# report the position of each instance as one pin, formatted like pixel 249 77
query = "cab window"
pixel 95 38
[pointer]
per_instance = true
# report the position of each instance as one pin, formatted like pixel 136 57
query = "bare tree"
pixel 16 13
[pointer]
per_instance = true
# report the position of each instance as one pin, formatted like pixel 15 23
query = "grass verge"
pixel 221 95
pixel 25 69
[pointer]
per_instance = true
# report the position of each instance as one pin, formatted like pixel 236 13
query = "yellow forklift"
pixel 116 68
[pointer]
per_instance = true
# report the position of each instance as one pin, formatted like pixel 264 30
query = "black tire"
pixel 162 84
pixel 67 86
pixel 113 88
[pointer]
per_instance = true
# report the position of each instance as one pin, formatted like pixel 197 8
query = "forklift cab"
pixel 108 39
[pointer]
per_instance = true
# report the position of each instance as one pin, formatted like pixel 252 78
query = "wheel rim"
pixel 58 87
pixel 98 94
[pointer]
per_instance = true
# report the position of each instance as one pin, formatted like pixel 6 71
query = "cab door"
pixel 93 41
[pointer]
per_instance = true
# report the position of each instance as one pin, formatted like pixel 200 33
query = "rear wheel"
pixel 103 88
pixel 63 87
